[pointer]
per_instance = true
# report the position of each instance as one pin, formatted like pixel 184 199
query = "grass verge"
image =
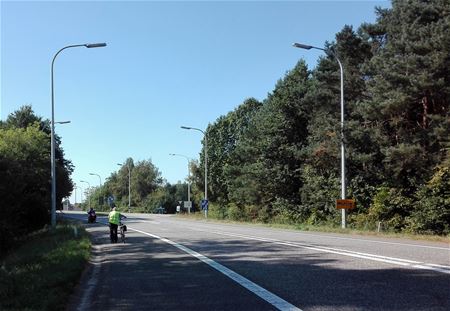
pixel 42 272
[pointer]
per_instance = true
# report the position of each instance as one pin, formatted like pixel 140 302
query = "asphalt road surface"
pixel 171 263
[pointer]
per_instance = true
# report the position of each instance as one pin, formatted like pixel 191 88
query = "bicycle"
pixel 122 230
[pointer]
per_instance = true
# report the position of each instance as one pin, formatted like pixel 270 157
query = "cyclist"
pixel 114 219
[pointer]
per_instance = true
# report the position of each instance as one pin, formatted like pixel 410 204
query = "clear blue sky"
pixel 167 64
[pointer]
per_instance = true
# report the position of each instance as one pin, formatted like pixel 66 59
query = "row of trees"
pixel 279 159
pixel 149 191
pixel 25 183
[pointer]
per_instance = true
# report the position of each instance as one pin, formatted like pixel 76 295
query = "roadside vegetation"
pixel 215 214
pixel 25 175
pixel 41 272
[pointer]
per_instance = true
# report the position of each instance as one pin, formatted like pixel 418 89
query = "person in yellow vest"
pixel 114 218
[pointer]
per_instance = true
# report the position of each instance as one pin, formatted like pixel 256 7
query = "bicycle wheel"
pixel 122 235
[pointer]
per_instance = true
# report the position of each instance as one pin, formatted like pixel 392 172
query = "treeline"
pixel 149 191
pixel 279 160
pixel 25 183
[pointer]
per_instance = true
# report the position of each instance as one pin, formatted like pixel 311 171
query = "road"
pixel 172 263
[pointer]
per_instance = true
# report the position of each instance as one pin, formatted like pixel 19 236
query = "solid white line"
pixel 374 241
pixel 385 259
pixel 271 298
pixel 363 240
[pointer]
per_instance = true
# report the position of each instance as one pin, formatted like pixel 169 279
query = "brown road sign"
pixel 346 203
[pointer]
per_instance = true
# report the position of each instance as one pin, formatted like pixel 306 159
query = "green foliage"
pixel 24 167
pixel 41 273
pixel 410 87
pixel 145 180
pixel 318 196
pixel 223 137
pixel 432 210
pixel 148 189
pixel 25 175
pixel 391 208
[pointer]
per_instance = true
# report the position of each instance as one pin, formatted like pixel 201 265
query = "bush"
pixel 235 212
pixel 432 211
pixel 391 208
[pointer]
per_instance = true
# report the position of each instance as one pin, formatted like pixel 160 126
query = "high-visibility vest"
pixel 114 217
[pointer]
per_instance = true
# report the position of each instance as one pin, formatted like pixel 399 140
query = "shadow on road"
pixel 148 274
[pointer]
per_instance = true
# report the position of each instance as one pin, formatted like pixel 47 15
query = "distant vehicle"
pixel 92 217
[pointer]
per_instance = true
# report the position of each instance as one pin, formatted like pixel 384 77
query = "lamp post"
pixel 52 152
pixel 206 162
pixel 89 187
pixel 343 189
pixel 189 176
pixel 75 189
pixel 93 174
pixel 81 193
pixel 129 186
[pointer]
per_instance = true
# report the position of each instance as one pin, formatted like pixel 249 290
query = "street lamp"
pixel 75 187
pixel 308 47
pixel 89 187
pixel 129 186
pixel 189 176
pixel 93 174
pixel 206 162
pixel 52 152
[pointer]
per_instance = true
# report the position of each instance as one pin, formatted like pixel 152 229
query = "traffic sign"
pixel 345 203
pixel 187 204
pixel 110 200
pixel 205 204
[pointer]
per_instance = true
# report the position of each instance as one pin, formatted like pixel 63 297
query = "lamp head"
pixel 186 127
pixel 95 45
pixel 302 46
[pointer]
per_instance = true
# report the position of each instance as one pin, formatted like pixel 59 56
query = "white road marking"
pixel 150 222
pixel 375 241
pixel 271 298
pixel 363 240
pixel 386 259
